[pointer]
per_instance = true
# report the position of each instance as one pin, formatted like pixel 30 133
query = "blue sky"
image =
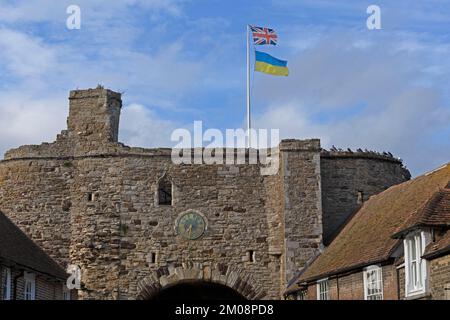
pixel 180 61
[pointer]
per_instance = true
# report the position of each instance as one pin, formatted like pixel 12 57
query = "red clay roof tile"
pixel 367 238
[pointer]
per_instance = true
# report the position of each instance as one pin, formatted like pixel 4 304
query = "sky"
pixel 180 61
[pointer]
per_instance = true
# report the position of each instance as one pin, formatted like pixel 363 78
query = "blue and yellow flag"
pixel 270 65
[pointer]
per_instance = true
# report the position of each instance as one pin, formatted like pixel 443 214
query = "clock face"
pixel 191 226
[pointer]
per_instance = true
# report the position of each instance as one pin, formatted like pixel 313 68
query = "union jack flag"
pixel 263 36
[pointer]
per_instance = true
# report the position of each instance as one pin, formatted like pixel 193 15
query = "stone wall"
pixel 302 205
pixel 114 236
pixel 350 178
pixel 89 200
pixel 35 195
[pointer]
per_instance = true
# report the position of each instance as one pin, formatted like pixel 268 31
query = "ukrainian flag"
pixel 270 65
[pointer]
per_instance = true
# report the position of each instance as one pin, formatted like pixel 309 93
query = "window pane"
pixel 323 290
pixel 413 249
pixel 373 284
pixel 419 245
pixel 6 284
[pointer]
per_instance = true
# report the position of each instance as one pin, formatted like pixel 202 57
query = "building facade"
pixel 26 271
pixel 136 223
pixel 397 247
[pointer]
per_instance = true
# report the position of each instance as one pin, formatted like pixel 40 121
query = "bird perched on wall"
pixel 333 148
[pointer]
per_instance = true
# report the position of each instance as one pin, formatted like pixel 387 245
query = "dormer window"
pixel 416 273
pixel 164 192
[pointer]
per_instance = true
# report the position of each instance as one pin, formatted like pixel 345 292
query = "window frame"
pixel 378 282
pixel 416 268
pixel 301 294
pixel 29 278
pixel 360 197
pixel 164 181
pixel 6 283
pixel 66 293
pixel 321 294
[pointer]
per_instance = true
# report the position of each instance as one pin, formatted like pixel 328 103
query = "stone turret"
pixel 301 204
pixel 94 116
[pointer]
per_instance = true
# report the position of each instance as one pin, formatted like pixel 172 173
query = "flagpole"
pixel 248 88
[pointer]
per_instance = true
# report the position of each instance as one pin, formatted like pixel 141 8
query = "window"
pixel 165 192
pixel 153 258
pixel 360 198
pixel 251 256
pixel 29 291
pixel 415 266
pixel 90 197
pixel 66 292
pixel 6 284
pixel 301 295
pixel 373 283
pixel 323 290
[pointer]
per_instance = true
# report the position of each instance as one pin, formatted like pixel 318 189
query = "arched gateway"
pixel 199 282
pixel 132 216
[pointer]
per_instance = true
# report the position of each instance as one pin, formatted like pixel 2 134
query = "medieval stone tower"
pixel 137 224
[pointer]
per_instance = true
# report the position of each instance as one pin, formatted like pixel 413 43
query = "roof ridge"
pixel 437 169
pixel 424 212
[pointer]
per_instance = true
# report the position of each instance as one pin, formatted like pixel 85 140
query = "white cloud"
pixel 55 11
pixel 25 56
pixel 29 120
pixel 141 127
pixel 384 91
pixel 360 97
pixel 36 71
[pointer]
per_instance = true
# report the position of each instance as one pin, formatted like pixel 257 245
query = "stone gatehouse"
pixel 137 224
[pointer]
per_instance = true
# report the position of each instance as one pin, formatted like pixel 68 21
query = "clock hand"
pixel 190 230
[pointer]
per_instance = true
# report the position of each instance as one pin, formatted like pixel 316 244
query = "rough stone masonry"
pixel 91 201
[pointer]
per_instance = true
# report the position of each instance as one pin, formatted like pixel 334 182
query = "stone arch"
pixel 234 278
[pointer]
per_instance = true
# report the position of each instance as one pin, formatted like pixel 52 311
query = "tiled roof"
pixel 17 248
pixel 441 246
pixel 433 213
pixel 367 238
